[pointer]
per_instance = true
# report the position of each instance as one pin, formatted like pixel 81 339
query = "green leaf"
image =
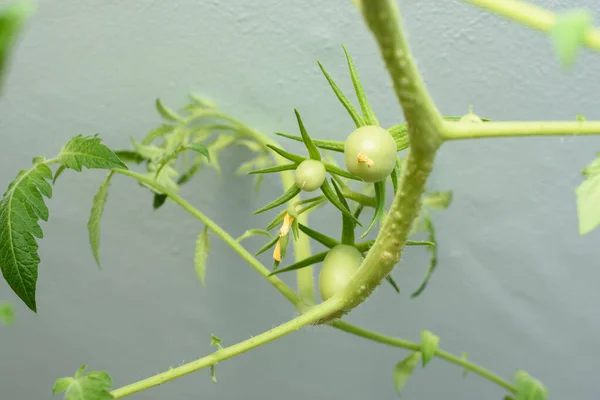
pixel 130 156
pixel 319 237
pixel 215 341
pixel 166 112
pixel 364 246
pixel 158 132
pixel 404 370
pixel 393 283
pixel 201 102
pixel 20 210
pixel 94 385
pixel 333 199
pixel 58 173
pixel 332 169
pixel 292 157
pixel 277 168
pixel 96 216
pixel 253 232
pixel 12 19
pixel 283 246
pixel 316 258
pixel 429 345
pixel 87 151
pixel 588 198
pixel 7 315
pixel 196 147
pixel 529 388
pixel 368 114
pixel 419 243
pixel 379 207
pixel 568 34
pixel 213 376
pixel 267 246
pixel 433 256
pixel 332 145
pixel 313 151
pixel 356 117
pixel 202 250
pixel 348 224
pixel 292 192
pixel 438 200
pixel 400 135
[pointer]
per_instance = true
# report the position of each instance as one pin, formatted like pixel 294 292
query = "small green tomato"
pixel 340 264
pixel 310 175
pixel 370 153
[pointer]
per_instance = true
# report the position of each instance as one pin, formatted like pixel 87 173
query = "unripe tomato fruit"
pixel 340 264
pixel 310 175
pixel 370 153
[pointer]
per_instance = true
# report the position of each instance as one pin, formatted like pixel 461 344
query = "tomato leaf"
pixel 438 200
pixel 315 258
pixel 318 236
pixel 93 385
pixel 568 34
pixel 356 117
pixel 379 207
pixel 202 251
pixel 292 192
pixel 7 315
pixel 332 145
pixel 128 156
pixel 95 217
pixel 313 151
pixel 433 255
pixel 368 114
pixel 166 112
pixel 12 19
pixel 429 345
pixel 588 198
pixel 196 147
pixel 404 370
pixel 529 388
pixel 87 151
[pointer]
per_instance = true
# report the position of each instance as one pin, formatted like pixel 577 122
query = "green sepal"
pixel 313 151
pixel 301 264
pixel 356 117
pixel 292 192
pixel 395 175
pixel 348 224
pixel 379 206
pixel 276 221
pixel 332 145
pixel 368 114
pixel 267 246
pixel 332 169
pixel 332 197
pixel 400 135
pixel 318 236
pixel 276 168
pixel 433 260
pixel 285 154
pixel 284 241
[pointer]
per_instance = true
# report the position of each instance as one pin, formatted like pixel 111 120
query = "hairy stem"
pixel 424 125
pixel 311 316
pixel 460 131
pixel 532 16
pixel 289 294
pixel 405 344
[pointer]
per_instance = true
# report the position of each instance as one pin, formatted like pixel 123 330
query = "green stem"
pixel 405 344
pixel 532 16
pixel 313 315
pixel 236 246
pixel 302 244
pixel 460 131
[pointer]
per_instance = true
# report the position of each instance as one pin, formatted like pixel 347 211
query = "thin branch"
pixel 460 131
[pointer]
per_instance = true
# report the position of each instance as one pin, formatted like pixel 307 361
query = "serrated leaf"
pixel 166 112
pixel 379 207
pixel 332 145
pixel 202 250
pixel 94 385
pixel 253 232
pixel 7 314
pixel 316 258
pixel 529 388
pixel 87 151
pixel 267 246
pixel 318 236
pixel 400 135
pixel 313 151
pixel 95 217
pixel 12 19
pixel 356 117
pixel 348 224
pixel 438 200
pixel 429 345
pixel 433 256
pixel 568 34
pixel 368 114
pixel 404 370
pixel 333 199
pixel 20 210
pixel 58 173
pixel 292 192
pixel 393 283
pixel 588 198
pixel 276 168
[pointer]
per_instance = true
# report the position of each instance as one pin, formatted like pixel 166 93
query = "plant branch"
pixel 405 344
pixel 460 131
pixel 532 16
pixel 236 246
pixel 313 315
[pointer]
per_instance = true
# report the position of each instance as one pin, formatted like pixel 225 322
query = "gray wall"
pixel 516 286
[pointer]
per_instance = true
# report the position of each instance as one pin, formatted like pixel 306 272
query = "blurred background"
pixel 515 286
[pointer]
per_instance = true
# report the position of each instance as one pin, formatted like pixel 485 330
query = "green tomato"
pixel 310 175
pixel 340 264
pixel 470 118
pixel 370 153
